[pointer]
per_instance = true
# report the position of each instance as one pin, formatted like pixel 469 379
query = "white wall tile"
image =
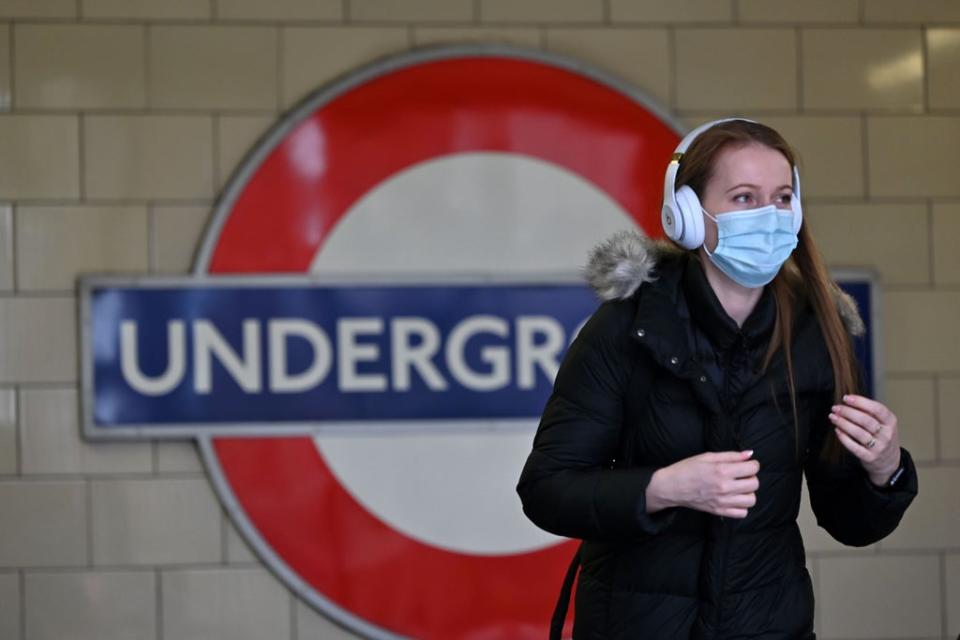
pixel 912 400
pixel 946 255
pixel 948 393
pixel 932 521
pixel 76 66
pixel 147 9
pixel 879 597
pixel 213 67
pixel 44 523
pixel 55 245
pixel 238 551
pixel 51 440
pixel 178 457
pixel 617 51
pixel 90 605
pixel 38 340
pixel 39 157
pixel 411 10
pixel 585 11
pixel 671 10
pixel 899 145
pixel 8 431
pixel 148 156
pixel 236 136
pixel 953 594
pixel 232 604
pixel 912 11
pixel 312 56
pixel 919 331
pixel 9 606
pixel 798 11
pixel 280 10
pixel 38 8
pixel 155 521
pixel 176 234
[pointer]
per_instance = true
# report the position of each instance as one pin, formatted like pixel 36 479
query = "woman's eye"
pixel 786 198
pixel 741 197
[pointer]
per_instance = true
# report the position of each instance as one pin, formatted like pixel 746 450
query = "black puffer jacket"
pixel 661 373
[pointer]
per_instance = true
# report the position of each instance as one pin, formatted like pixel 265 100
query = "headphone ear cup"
pixel 688 205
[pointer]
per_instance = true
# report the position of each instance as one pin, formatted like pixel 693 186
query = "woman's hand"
pixel 723 483
pixel 868 430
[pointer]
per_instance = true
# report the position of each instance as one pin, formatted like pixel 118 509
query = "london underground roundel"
pixel 470 167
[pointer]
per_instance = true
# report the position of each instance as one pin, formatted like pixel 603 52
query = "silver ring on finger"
pixel 872 443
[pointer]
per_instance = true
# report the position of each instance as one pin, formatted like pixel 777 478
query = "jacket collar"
pixel 619 265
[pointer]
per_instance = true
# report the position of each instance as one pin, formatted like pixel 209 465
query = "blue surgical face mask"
pixel 752 244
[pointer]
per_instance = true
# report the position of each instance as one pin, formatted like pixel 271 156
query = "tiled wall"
pixel 120 120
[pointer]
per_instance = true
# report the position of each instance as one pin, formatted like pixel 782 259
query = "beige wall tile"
pixel 8 433
pixel 155 521
pixel 90 605
pixel 671 10
pixel 39 157
pixel 948 393
pixel 5 64
pixel 6 247
pixel 639 56
pixel 913 402
pixel 148 156
pixel 79 66
pixel 862 69
pixel 541 11
pixel 176 236
pixel 919 330
pixel 879 597
pixel 314 56
pixel 953 594
pixel 51 440
pixel 913 156
pixel 56 244
pixel 912 11
pixel 520 36
pixel 38 8
pixel 9 605
pixel 734 69
pixel 891 238
pixel 412 10
pixel 37 340
pixel 203 67
pixel 236 136
pixel 932 521
pixel 798 11
pixel 946 253
pixel 238 551
pixel 178 457
pixel 238 604
pixel 312 625
pixel 830 151
pixel 943 60
pixel 280 10
pixel 815 538
pixel 146 9
pixel 44 524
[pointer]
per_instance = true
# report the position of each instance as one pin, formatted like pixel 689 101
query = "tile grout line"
pixel 18 436
pixel 937 436
pixel 798 51
pixel 865 150
pixel 943 594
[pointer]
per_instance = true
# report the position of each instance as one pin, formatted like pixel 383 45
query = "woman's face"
pixel 745 177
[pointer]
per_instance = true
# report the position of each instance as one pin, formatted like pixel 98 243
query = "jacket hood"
pixel 620 264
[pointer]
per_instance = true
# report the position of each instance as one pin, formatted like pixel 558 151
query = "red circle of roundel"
pixel 328 157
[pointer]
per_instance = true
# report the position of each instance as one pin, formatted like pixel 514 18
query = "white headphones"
pixel 682 216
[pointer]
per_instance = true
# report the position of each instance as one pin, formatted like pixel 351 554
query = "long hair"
pixel 803 275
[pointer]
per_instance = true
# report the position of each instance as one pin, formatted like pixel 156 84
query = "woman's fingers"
pixel 876 409
pixel 862 419
pixel 854 430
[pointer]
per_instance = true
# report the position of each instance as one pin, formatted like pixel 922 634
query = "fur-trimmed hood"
pixel 620 264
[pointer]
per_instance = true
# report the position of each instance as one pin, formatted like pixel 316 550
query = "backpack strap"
pixel 563 602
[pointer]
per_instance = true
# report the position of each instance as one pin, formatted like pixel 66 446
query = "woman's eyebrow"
pixel 753 186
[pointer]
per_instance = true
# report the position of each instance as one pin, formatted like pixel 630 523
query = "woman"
pixel 716 374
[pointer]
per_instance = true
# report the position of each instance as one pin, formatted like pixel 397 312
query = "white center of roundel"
pixel 474 214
